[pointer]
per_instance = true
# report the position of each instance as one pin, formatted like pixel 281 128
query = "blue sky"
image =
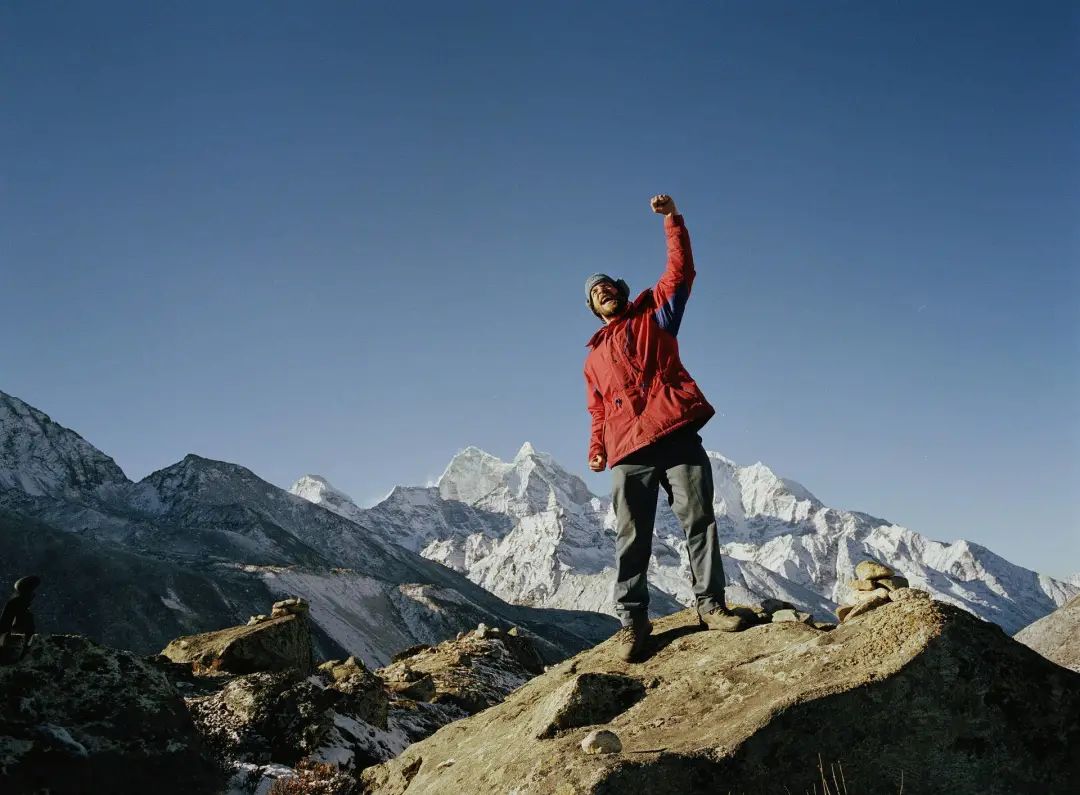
pixel 352 239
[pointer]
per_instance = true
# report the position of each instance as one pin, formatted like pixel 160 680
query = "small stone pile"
pixel 294 606
pixel 876 584
pixel 776 611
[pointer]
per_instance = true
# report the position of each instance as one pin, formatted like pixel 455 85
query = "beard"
pixel 612 308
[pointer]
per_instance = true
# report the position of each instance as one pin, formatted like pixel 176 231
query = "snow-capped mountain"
pixel 532 533
pixel 203 544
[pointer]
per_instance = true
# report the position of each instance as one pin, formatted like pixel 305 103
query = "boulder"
pixel 76 716
pixel 601 741
pixel 743 712
pixel 276 644
pixel 872 570
pixel 587 699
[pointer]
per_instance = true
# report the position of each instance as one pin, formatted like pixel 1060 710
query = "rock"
pixel 770 606
pixel 865 596
pixel 471 673
pixel 744 711
pixel 781 616
pixel 601 741
pixel 907 594
pixel 76 716
pixel 412 651
pixel 824 626
pixel 893 583
pixel 585 700
pixel 874 600
pixel 752 615
pixel 514 632
pixel 289 607
pixel 418 688
pixel 872 570
pixel 842 611
pixel 1056 636
pixel 861 585
pixel 367 697
pixel 276 644
pixel 285 716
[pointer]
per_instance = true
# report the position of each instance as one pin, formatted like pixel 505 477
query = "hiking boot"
pixel 633 640
pixel 722 619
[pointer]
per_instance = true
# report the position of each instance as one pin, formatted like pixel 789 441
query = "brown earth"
pixel 917 689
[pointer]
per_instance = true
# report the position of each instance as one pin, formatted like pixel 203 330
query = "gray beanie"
pixel 595 279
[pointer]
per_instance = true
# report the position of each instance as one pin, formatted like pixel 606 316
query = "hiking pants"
pixel 679 463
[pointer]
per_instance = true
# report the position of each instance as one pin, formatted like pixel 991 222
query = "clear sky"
pixel 351 238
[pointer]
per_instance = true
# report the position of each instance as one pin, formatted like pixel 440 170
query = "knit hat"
pixel 595 279
pixel 27 584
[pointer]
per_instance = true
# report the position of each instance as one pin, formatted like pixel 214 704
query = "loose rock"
pixel 861 585
pixel 601 741
pixel 872 570
pixel 586 700
pixel 893 583
pixel 877 593
pixel 866 605
pixel 907 594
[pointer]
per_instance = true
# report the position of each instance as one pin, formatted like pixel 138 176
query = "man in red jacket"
pixel 646 412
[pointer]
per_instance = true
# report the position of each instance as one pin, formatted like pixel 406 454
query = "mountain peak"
pixel 317 489
pixel 41 457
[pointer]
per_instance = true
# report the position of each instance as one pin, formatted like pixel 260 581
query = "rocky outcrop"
pixel 915 687
pixel 1057 636
pixel 279 642
pixel 472 672
pixel 77 717
pixel 284 716
pixel 261 724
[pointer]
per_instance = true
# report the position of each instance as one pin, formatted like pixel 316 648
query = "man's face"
pixel 607 299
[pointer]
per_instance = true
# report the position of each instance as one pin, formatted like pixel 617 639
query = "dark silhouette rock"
pixel 78 717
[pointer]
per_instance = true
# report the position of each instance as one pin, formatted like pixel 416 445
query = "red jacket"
pixel 636 387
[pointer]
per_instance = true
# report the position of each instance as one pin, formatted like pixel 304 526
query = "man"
pixel 646 412
pixel 16 616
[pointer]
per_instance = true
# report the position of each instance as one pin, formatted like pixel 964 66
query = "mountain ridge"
pixel 531 532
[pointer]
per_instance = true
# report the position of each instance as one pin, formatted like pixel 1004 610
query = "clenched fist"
pixel 597 463
pixel 663 204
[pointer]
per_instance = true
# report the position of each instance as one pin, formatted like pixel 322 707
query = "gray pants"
pixel 679 463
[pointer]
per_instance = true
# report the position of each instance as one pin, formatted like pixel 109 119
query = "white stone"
pixel 601 741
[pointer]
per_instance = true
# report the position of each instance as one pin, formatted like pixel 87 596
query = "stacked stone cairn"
pixel 294 606
pixel 876 584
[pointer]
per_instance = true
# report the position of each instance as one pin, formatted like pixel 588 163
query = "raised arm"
pixel 672 291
